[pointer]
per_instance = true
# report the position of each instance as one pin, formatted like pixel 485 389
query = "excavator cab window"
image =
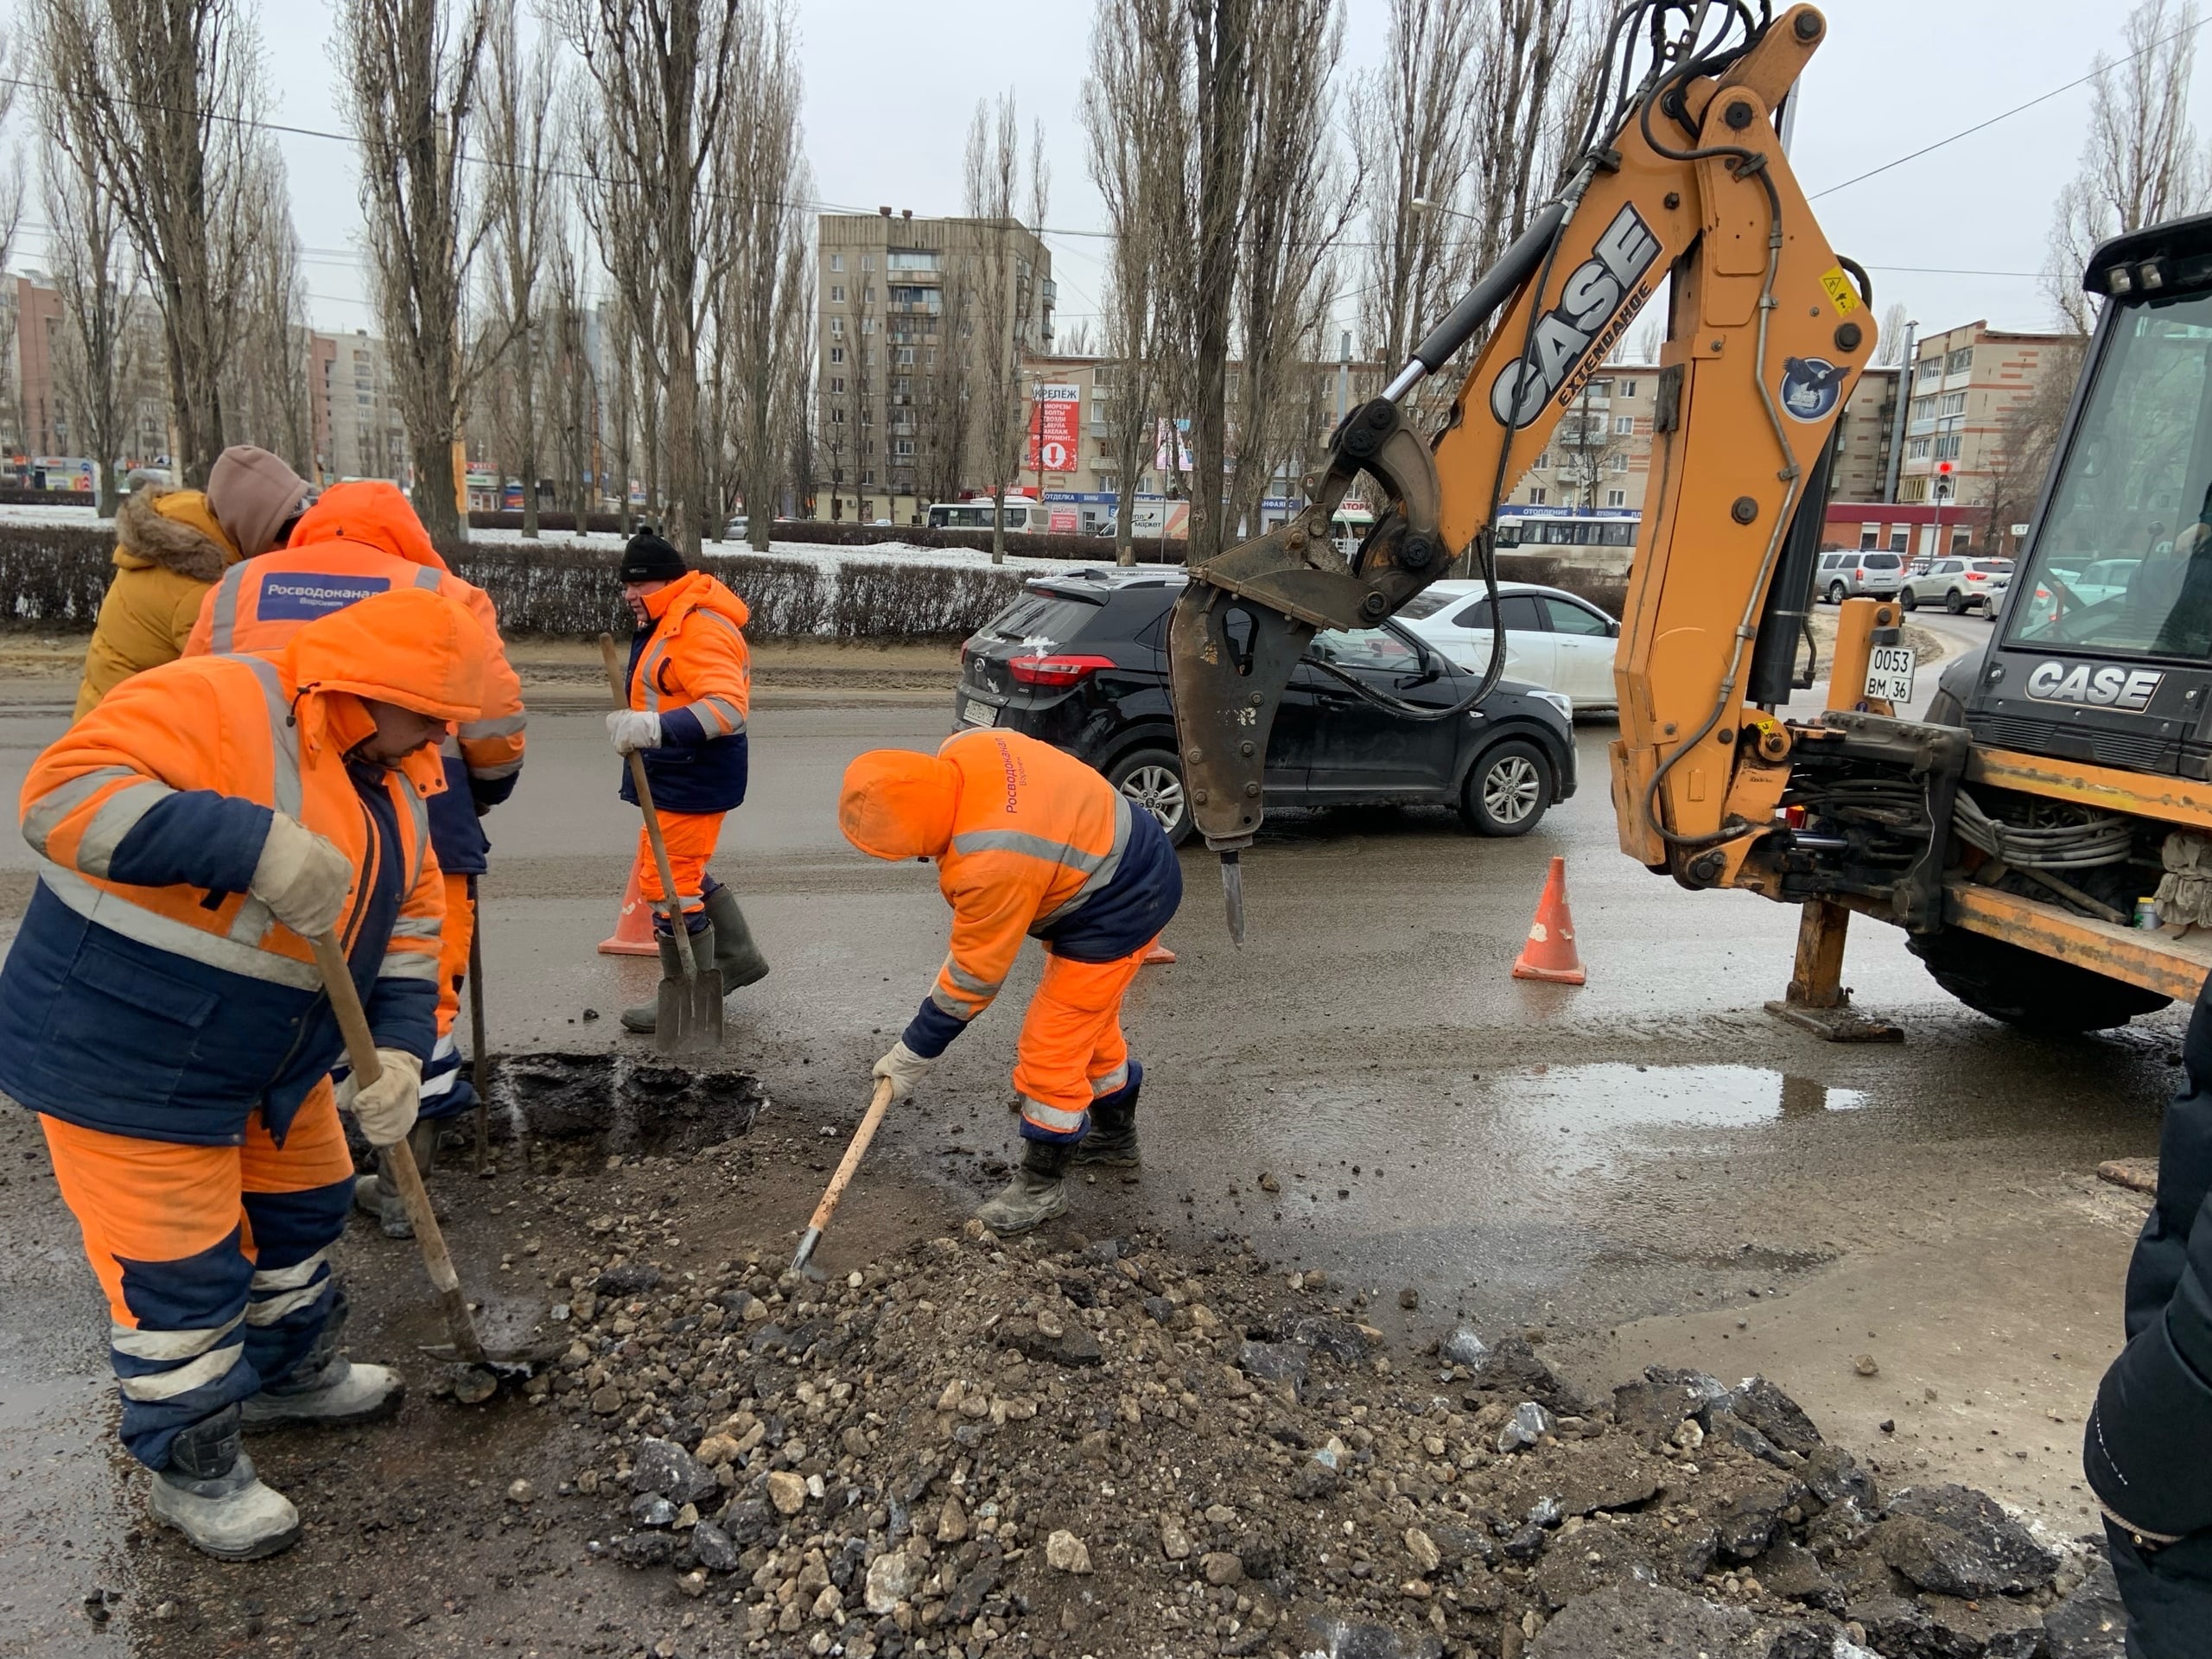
pixel 2111 574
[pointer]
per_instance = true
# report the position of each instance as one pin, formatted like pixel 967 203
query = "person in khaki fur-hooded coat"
pixel 170 547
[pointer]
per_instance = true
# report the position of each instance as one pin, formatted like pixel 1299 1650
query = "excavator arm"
pixel 1684 179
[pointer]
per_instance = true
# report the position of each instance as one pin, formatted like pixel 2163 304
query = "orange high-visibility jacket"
pixel 148 993
pixel 690 666
pixel 362 539
pixel 1029 841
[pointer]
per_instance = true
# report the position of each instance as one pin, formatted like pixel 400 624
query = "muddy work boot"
pixel 211 1494
pixel 326 1389
pixel 644 1018
pixel 378 1196
pixel 735 954
pixel 1112 1143
pixel 1036 1194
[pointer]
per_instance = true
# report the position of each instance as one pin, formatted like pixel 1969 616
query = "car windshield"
pixel 1429 602
pixel 1376 648
pixel 1993 567
pixel 1879 561
pixel 2122 563
pixel 1040 619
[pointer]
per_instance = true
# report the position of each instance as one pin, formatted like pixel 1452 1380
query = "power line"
pixel 2006 115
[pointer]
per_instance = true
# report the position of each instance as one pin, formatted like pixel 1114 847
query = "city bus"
pixel 1023 513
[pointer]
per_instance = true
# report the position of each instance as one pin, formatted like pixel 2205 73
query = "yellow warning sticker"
pixel 1842 294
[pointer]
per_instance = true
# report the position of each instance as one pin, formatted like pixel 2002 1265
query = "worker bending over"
pixel 162 1011
pixel 1028 841
pixel 363 538
pixel 170 546
pixel 690 684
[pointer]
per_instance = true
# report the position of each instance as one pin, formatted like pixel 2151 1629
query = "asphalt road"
pixel 1648 1168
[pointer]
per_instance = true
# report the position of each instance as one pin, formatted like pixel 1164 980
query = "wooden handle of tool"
pixel 611 656
pixel 853 1154
pixel 361 1050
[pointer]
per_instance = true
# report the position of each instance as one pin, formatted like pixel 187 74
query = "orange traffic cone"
pixel 1155 955
pixel 633 925
pixel 1550 953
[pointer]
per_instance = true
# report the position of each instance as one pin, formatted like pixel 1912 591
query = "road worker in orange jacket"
pixel 363 538
pixel 690 685
pixel 161 1010
pixel 1029 843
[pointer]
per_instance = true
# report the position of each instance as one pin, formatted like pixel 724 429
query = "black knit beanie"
pixel 648 558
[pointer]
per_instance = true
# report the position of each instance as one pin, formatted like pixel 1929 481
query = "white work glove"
pixel 302 878
pixel 386 1108
pixel 629 729
pixel 904 1068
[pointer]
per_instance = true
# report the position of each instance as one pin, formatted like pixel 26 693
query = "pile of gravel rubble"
pixel 1077 1447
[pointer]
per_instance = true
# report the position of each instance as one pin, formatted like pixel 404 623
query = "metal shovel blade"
pixel 690 1013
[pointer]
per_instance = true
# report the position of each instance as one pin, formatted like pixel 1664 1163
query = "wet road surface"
pixel 1646 1169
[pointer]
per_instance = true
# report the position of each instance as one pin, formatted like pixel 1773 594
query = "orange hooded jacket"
pixel 362 539
pixel 148 993
pixel 1029 842
pixel 690 666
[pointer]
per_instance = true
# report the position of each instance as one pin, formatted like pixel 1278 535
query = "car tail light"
pixel 1976 575
pixel 1058 671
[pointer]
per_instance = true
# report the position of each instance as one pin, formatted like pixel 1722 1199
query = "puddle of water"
pixel 621 1104
pixel 1614 1095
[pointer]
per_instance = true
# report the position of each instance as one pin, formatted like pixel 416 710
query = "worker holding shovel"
pixel 162 1010
pixel 1029 843
pixel 690 685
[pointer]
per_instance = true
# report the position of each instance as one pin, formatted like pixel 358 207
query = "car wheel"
pixel 1909 600
pixel 1507 790
pixel 1955 602
pixel 1838 593
pixel 2037 993
pixel 1153 780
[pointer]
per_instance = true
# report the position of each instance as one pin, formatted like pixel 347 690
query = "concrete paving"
pixel 1646 1169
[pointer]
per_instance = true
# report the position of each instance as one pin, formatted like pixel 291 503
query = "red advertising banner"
pixel 1055 428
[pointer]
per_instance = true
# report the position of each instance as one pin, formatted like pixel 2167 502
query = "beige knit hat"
pixel 252 493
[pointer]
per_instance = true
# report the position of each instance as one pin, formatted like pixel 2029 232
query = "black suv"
pixel 1080 661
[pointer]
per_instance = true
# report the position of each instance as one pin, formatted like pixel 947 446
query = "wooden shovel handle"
pixel 850 1164
pixel 611 655
pixel 399 1158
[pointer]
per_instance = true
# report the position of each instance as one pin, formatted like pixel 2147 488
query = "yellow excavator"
pixel 2059 778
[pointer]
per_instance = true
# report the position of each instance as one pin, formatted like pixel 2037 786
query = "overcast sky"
pixel 890 85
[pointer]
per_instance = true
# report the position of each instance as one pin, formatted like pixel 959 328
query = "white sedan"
pixel 1552 640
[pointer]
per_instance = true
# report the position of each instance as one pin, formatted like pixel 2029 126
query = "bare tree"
pixel 765 328
pixel 1891 351
pixel 155 96
pixel 863 358
pixel 1298 206
pixel 2027 440
pixel 522 157
pixel 571 386
pixel 1414 122
pixel 665 73
pixel 92 272
pixel 2140 161
pixel 1136 152
pixel 1007 299
pixel 409 92
pixel 942 381
pixel 267 396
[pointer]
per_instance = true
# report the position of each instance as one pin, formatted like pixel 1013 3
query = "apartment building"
pixel 900 299
pixel 356 408
pixel 1861 469
pixel 1969 387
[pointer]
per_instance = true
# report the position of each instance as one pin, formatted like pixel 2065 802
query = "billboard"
pixel 1055 427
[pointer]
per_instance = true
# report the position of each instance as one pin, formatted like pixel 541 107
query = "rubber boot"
pixel 326 1388
pixel 1112 1143
pixel 1036 1194
pixel 644 1018
pixel 211 1494
pixel 735 954
pixel 379 1197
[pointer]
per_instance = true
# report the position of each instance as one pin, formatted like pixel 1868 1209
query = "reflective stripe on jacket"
pixel 148 993
pixel 360 539
pixel 691 667
pixel 1043 847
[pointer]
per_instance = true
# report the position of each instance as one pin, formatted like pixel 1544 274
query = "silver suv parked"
pixel 1855 573
pixel 1959 584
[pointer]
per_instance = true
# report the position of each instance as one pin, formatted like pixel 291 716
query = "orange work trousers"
pixel 214 1259
pixel 1071 1050
pixel 690 837
pixel 453 950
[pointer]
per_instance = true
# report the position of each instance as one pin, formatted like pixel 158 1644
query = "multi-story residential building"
pixel 1970 389
pixel 1861 469
pixel 366 437
pixel 41 418
pixel 899 300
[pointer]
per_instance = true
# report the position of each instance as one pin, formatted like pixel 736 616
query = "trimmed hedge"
pixel 55 575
